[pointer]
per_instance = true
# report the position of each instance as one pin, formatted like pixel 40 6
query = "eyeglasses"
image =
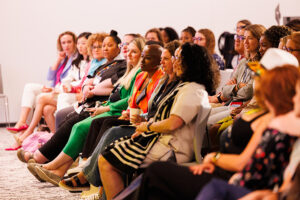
pixel 123 44
pixel 175 58
pixel 198 38
pixel 96 47
pixel 239 37
pixel 291 50
pixel 238 28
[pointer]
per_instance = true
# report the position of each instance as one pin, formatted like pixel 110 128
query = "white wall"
pixel 29 28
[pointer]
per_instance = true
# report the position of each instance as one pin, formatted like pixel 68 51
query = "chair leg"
pixel 7 112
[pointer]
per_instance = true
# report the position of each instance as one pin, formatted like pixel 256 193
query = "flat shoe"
pixel 16 130
pixel 31 168
pixel 46 175
pixel 73 184
pixel 21 155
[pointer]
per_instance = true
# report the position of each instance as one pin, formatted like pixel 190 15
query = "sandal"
pixel 73 184
pixel 21 155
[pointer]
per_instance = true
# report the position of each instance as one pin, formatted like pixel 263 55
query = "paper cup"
pixel 134 111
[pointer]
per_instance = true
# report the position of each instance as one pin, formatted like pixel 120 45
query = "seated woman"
pixel 154 34
pixel 66 46
pixel 287 123
pixel 293 44
pixel 145 81
pixel 160 180
pixel 46 104
pixel 240 87
pixel 271 38
pixel 105 76
pixel 206 38
pixel 187 35
pixel 168 34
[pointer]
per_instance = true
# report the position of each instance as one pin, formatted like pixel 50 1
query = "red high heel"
pixel 16 130
pixel 13 148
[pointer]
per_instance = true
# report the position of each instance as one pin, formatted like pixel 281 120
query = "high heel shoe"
pixel 13 148
pixel 16 130
pixel 18 140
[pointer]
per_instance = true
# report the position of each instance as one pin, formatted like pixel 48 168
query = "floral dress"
pixel 266 167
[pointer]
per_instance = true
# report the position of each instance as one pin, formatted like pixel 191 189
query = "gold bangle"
pixel 216 157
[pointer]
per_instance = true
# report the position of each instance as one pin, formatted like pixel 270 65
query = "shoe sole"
pixel 45 177
pixel 20 155
pixel 78 189
pixel 31 169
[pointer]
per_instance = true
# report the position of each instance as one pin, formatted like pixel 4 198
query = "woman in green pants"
pixel 113 107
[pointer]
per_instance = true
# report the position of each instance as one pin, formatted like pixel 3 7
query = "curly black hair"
pixel 274 33
pixel 197 66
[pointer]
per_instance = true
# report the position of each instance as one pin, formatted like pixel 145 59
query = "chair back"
pixel 201 137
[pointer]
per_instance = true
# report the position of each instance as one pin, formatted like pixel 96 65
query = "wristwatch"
pixel 219 97
pixel 216 157
pixel 148 126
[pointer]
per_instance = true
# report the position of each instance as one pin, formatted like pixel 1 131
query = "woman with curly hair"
pixel 271 37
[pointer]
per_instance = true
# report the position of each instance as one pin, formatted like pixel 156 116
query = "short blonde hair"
pixel 96 37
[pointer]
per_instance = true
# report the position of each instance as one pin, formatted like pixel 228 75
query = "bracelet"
pixel 148 126
pixel 219 98
pixel 216 157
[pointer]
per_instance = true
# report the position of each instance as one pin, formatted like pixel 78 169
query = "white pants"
pixel 65 100
pixel 217 114
pixel 30 93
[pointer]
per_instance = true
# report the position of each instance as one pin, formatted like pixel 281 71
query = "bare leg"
pixel 39 157
pixel 23 116
pixel 60 171
pixel 48 113
pixel 110 177
pixel 59 161
pixel 42 101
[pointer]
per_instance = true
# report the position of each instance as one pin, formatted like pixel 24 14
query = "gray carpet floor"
pixel 16 182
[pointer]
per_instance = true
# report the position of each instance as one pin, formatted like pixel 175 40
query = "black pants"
pixel 97 129
pixel 165 180
pixel 55 145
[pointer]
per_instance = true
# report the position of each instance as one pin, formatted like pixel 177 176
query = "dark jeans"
pixel 220 190
pixel 91 170
pixel 61 115
pixel 97 129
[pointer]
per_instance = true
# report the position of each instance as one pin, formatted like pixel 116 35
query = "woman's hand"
pixel 231 82
pixel 87 91
pixel 61 56
pixel 142 127
pixel 47 89
pixel 200 168
pixel 208 157
pixel 125 115
pixel 98 111
pixel 137 119
pixel 137 133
